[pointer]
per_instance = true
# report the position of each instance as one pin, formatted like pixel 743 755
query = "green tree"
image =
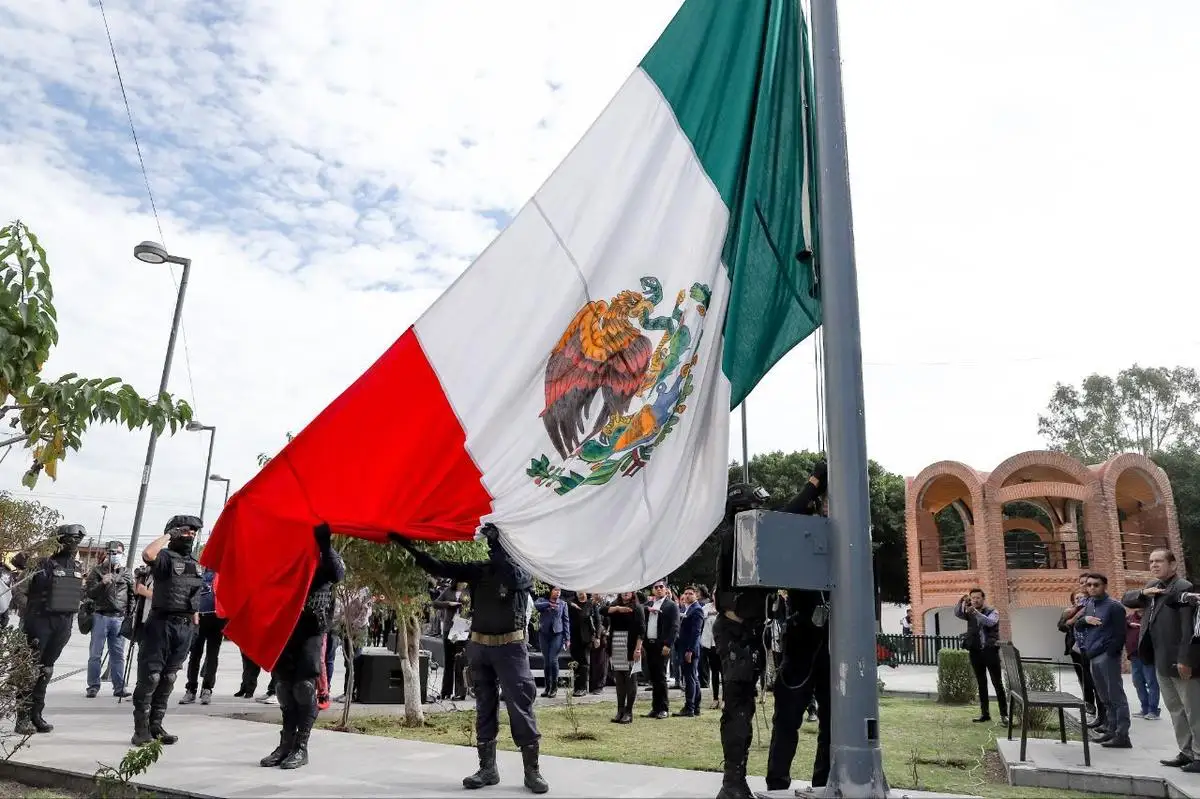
pixel 25 524
pixel 50 417
pixel 1182 465
pixel 1143 409
pixel 783 475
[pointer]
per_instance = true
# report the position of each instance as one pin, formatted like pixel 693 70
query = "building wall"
pixel 1030 600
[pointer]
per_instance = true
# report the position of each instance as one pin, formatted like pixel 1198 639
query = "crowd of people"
pixel 737 640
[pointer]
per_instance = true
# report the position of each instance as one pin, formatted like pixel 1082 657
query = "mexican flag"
pixel 573 386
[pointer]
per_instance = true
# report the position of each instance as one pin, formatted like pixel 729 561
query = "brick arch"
pixel 915 491
pixel 1111 471
pixel 1056 460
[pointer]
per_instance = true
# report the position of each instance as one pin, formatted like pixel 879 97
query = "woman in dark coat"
pixel 627 624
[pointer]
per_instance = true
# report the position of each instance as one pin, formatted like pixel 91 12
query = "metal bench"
pixel 1019 694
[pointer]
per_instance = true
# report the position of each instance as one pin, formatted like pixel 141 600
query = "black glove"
pixel 491 532
pixel 396 538
pixel 324 536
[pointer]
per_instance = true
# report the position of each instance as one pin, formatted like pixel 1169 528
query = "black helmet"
pixel 744 496
pixel 70 532
pixel 180 524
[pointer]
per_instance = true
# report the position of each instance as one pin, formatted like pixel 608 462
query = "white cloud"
pixel 1023 181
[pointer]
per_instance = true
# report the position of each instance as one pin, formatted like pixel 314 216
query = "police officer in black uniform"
pixel 497 654
pixel 738 633
pixel 804 674
pixel 54 592
pixel 167 635
pixel 299 665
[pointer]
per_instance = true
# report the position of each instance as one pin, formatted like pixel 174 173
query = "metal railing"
pixel 1136 549
pixel 937 558
pixel 918 650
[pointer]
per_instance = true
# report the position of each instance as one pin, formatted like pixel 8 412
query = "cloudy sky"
pixel 1023 177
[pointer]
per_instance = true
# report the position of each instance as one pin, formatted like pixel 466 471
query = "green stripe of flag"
pixel 738 77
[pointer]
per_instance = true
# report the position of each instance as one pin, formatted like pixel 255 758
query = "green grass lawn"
pixel 926 745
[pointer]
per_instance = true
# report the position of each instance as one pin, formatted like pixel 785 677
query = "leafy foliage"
pixel 137 761
pixel 25 524
pixel 1182 466
pixel 956 681
pixel 783 475
pixel 18 672
pixel 1144 409
pixel 50 417
pixel 1039 677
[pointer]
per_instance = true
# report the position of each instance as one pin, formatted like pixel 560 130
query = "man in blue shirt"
pixel 1103 626
pixel 687 644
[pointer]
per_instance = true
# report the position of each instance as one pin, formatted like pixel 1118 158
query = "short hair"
pixel 691 588
pixel 977 590
pixel 1170 556
pixel 1098 576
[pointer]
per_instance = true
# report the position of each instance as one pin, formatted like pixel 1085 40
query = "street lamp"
pixel 216 478
pixel 151 252
pixel 196 427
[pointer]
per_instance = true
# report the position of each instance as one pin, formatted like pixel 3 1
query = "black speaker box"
pixel 382 679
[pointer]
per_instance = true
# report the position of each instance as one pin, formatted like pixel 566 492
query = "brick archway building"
pixel 1024 531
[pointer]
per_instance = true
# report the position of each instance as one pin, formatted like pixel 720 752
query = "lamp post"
pixel 151 252
pixel 216 478
pixel 196 427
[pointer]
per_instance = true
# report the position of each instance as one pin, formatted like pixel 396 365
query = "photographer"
pixel 110 588
pixel 982 642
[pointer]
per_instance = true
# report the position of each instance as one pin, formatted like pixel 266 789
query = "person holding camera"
pixel 982 642
pixel 110 588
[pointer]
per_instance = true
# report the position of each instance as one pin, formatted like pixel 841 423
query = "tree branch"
pixel 8 442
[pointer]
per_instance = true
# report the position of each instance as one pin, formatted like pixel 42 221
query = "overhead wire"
pixel 187 358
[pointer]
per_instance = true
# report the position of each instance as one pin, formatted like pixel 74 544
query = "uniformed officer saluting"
pixel 738 633
pixel 168 633
pixel 55 589
pixel 299 663
pixel 497 654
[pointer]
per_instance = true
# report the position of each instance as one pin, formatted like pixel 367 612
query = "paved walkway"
pixel 218 756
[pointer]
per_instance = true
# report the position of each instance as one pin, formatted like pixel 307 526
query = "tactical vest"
pixel 178 591
pixel 65 589
pixel 496 608
pixel 318 608
pixel 749 604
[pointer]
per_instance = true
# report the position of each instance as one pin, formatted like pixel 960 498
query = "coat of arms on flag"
pixel 606 352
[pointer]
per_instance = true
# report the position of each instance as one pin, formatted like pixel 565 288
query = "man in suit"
pixel 662 628
pixel 687 644
pixel 449 603
pixel 1166 643
pixel 584 618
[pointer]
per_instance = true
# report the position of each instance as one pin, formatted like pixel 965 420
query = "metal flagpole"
pixel 745 447
pixel 857 760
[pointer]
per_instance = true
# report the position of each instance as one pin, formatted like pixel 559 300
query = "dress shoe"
pixel 1192 768
pixel 982 720
pixel 1179 761
pixel 1122 742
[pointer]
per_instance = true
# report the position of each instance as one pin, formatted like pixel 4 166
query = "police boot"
pixel 533 776
pixel 287 739
pixel 299 755
pixel 141 727
pixel 734 785
pixel 156 727
pixel 487 774
pixel 820 775
pixel 24 725
pixel 39 723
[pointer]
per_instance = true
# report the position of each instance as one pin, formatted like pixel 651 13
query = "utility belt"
pixel 500 639
pixel 171 615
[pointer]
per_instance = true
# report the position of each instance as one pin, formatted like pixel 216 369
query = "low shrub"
pixel 956 681
pixel 1039 677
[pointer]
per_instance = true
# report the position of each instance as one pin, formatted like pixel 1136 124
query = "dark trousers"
pixel 1084 672
pixel 503 668
pixel 656 671
pixel 46 635
pixel 598 677
pixel 691 682
pixel 581 655
pixel 453 675
pixel 742 659
pixel 295 676
pixel 796 687
pixel 986 663
pixel 206 645
pixel 712 666
pixel 250 672
pixel 166 641
pixel 626 691
pixel 331 648
pixel 551 645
